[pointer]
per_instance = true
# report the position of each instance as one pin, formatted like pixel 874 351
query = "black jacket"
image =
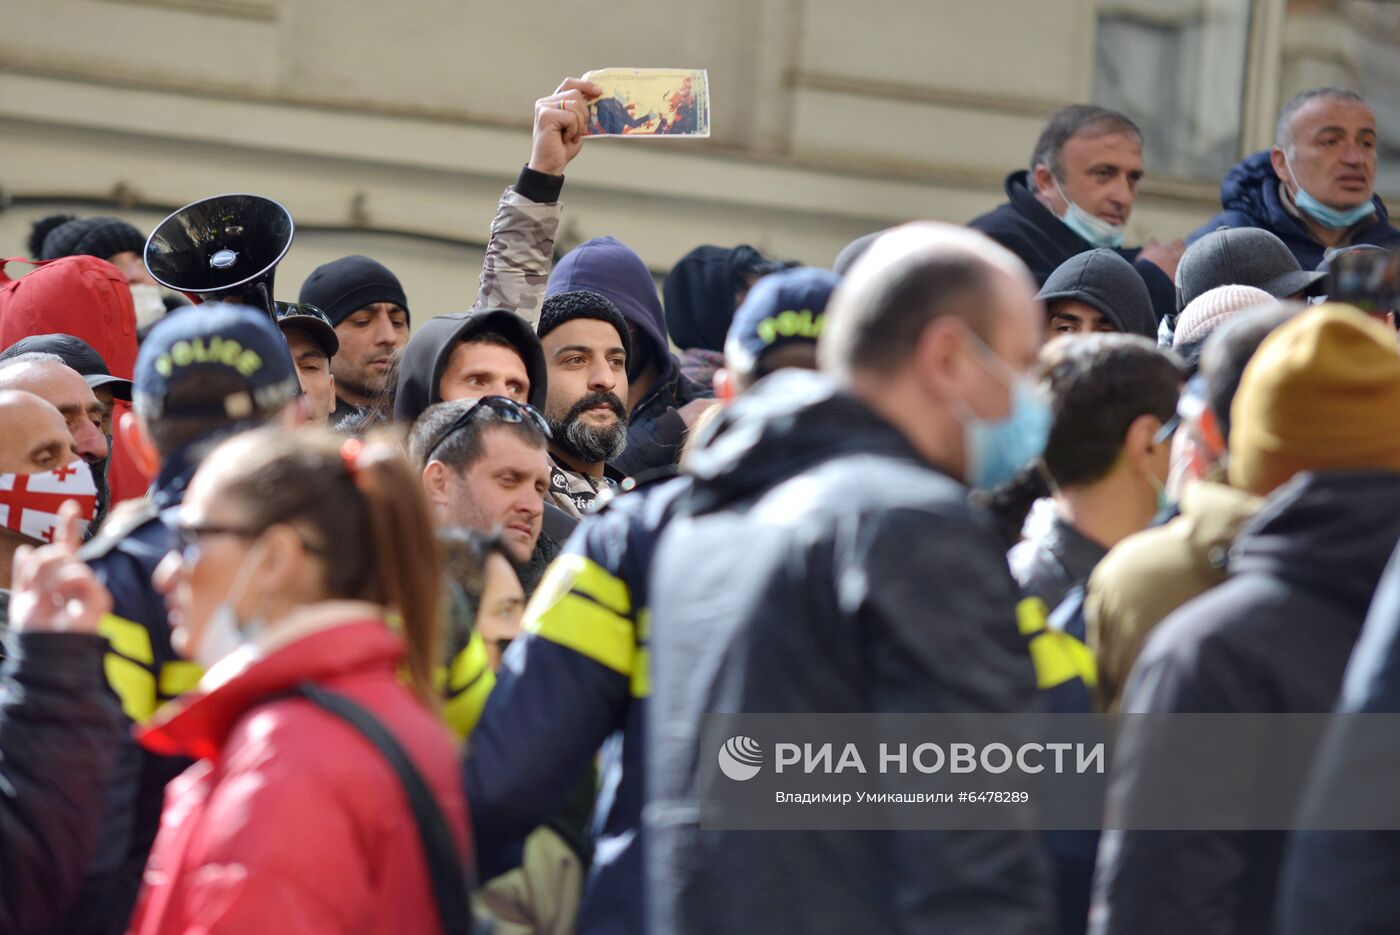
pixel 1031 231
pixel 1344 882
pixel 841 573
pixel 1274 638
pixel 1250 196
pixel 59 731
pixel 145 672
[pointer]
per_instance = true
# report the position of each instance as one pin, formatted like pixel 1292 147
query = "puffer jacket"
pixel 292 821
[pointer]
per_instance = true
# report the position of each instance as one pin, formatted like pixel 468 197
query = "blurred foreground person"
pixel 1315 429
pixel 59 731
pixel 306 577
pixel 864 583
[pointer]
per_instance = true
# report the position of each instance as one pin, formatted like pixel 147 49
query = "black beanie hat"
pixel 341 287
pixel 61 235
pixel 566 306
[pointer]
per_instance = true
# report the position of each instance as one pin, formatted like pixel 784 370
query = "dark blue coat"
pixel 1250 197
pixel 576 679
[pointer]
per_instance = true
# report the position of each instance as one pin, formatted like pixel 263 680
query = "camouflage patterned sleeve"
pixel 519 255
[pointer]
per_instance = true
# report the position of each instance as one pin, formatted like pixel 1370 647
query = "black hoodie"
pixel 841 573
pixel 1274 638
pixel 426 355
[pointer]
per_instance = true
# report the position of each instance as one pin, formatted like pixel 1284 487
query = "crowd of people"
pixel 319 622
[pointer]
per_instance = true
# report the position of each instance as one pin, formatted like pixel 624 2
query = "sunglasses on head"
pixel 500 408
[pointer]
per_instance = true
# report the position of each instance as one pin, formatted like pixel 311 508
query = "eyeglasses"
pixel 189 536
pixel 502 408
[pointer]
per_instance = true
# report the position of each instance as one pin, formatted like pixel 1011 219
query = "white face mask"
pixel 224 633
pixel 1095 230
pixel 150 307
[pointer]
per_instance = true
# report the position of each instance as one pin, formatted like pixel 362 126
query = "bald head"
pixel 49 378
pixel 911 276
pixel 33 436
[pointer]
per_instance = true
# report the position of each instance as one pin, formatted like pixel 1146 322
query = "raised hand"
pixel 54 591
pixel 561 123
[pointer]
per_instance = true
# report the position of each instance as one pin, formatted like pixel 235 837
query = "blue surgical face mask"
pixel 1332 218
pixel 1097 231
pixel 995 451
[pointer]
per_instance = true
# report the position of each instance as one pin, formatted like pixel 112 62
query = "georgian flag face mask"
pixel 29 502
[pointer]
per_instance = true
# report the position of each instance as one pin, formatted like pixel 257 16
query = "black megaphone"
pixel 224 248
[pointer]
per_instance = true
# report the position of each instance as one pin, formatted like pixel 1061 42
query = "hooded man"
pixel 665 403
pixel 1097 291
pixel 702 291
pixel 1315 189
pixel 466 355
pixel 1078 194
pixel 87 298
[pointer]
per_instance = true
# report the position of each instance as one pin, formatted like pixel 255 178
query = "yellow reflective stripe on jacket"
pixel 130 666
pixel 581 606
pixel 592 581
pixel 176 678
pixel 1057 656
pixel 641 668
pixel 465 684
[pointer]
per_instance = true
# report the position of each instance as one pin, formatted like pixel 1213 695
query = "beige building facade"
pixel 390 128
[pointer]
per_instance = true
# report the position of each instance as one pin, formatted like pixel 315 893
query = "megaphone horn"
pixel 224 248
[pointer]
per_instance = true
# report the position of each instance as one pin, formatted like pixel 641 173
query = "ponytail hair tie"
pixel 350 451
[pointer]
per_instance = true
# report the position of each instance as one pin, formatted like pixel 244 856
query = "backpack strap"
pixel 449 880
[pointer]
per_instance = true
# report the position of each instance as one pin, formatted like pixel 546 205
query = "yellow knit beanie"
pixel 1322 393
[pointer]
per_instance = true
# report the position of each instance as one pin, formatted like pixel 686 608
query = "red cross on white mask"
pixel 29 502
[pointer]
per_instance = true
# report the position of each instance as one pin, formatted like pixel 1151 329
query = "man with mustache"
pixel 586 348
pixel 1315 189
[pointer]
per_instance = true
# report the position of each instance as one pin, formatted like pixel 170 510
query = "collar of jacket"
pixel 1329 531
pixel 675 390
pixel 175 474
pixel 1213 514
pixel 1019 193
pixel 321 642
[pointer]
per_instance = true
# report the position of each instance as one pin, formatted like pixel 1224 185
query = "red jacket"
pixel 292 822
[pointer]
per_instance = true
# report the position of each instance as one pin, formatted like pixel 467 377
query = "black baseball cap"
pixel 76 353
pixel 1242 256
pixel 309 318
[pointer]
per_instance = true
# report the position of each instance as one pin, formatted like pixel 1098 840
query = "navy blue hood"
pixel 609 267
pixel 1251 198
